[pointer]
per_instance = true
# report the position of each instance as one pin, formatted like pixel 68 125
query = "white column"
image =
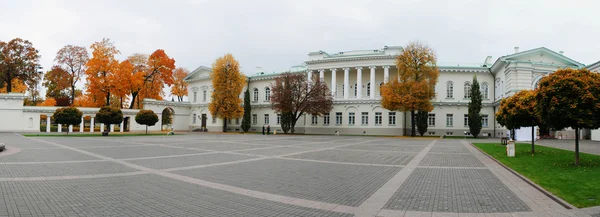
pixel 81 125
pixel 59 128
pixel 121 126
pixel 101 127
pixel 48 124
pixel 91 124
pixel 322 75
pixel 373 85
pixel 309 76
pixel 333 83
pixel 386 74
pixel 346 81
pixel 70 128
pixel 112 128
pixel 358 82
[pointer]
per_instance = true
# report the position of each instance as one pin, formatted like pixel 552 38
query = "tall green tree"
pixel 570 98
pixel 475 109
pixel 415 86
pixel 247 110
pixel 422 122
pixel 19 60
pixel 519 111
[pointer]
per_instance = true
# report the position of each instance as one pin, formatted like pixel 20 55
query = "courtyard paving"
pixel 202 174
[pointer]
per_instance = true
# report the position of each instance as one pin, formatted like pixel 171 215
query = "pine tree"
pixel 475 109
pixel 247 110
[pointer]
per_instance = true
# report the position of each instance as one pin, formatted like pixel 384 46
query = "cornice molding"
pixel 351 59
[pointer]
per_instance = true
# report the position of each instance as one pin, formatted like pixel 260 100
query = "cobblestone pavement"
pixel 202 174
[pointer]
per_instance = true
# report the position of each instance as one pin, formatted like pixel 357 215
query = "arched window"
pixel 255 95
pixel 449 90
pixel 355 89
pixel 467 90
pixel 267 94
pixel 484 90
pixel 368 89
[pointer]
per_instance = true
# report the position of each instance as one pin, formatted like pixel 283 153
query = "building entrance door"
pixel 203 122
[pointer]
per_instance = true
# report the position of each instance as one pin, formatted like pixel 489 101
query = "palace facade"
pixel 355 78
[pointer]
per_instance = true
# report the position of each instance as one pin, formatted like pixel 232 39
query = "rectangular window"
pixel 326 119
pixel 338 118
pixel 278 119
pixel 254 119
pixel 350 118
pixel 365 118
pixel 214 120
pixel 204 96
pixel 195 94
pixel 484 120
pixel 315 119
pixel 267 119
pixel 449 120
pixel 377 118
pixel 237 121
pixel 466 120
pixel 228 121
pixel 194 119
pixel 392 118
pixel 431 119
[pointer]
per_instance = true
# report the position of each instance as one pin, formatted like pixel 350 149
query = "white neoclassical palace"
pixel 355 77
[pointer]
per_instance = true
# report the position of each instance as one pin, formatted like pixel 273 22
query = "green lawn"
pixel 93 135
pixel 554 170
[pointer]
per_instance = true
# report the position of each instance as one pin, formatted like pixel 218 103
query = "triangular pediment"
pixel 543 55
pixel 199 72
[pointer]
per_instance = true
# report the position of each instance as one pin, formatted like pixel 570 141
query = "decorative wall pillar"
pixel 101 127
pixel 81 125
pixel 346 81
pixel 59 128
pixel 372 82
pixel 70 128
pixel 112 128
pixel 333 83
pixel 48 124
pixel 386 74
pixel 322 75
pixel 310 74
pixel 91 124
pixel 358 82
pixel 121 126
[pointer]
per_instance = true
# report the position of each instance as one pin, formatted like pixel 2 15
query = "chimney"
pixel 516 49
pixel 561 52
pixel 488 60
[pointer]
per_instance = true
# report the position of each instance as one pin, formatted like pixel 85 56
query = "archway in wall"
pixel 167 119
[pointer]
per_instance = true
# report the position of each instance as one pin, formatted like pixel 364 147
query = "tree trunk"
pixel 293 124
pixel 224 125
pixel 532 139
pixel 512 133
pixel 577 146
pixel 146 129
pixel 108 99
pixel 9 83
pixel 412 123
pixel 72 95
pixel 133 98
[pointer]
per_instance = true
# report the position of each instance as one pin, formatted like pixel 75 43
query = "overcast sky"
pixel 278 34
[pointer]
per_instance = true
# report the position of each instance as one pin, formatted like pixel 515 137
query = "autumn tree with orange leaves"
pixel 228 83
pixel 100 71
pixel 570 98
pixel 19 60
pixel 519 111
pixel 158 72
pixel 18 86
pixel 56 84
pixel 179 84
pixel 414 87
pixel 72 59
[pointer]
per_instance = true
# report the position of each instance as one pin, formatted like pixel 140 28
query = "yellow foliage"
pixel 48 102
pixel 18 86
pixel 228 84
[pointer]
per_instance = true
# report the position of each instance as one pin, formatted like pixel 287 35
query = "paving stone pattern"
pixel 455 190
pixel 339 155
pixel 184 161
pixel 61 169
pixel 143 195
pixel 42 155
pixel 333 183
pixel 451 160
pixel 139 151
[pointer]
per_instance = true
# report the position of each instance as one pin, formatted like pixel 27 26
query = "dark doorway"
pixel 203 122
